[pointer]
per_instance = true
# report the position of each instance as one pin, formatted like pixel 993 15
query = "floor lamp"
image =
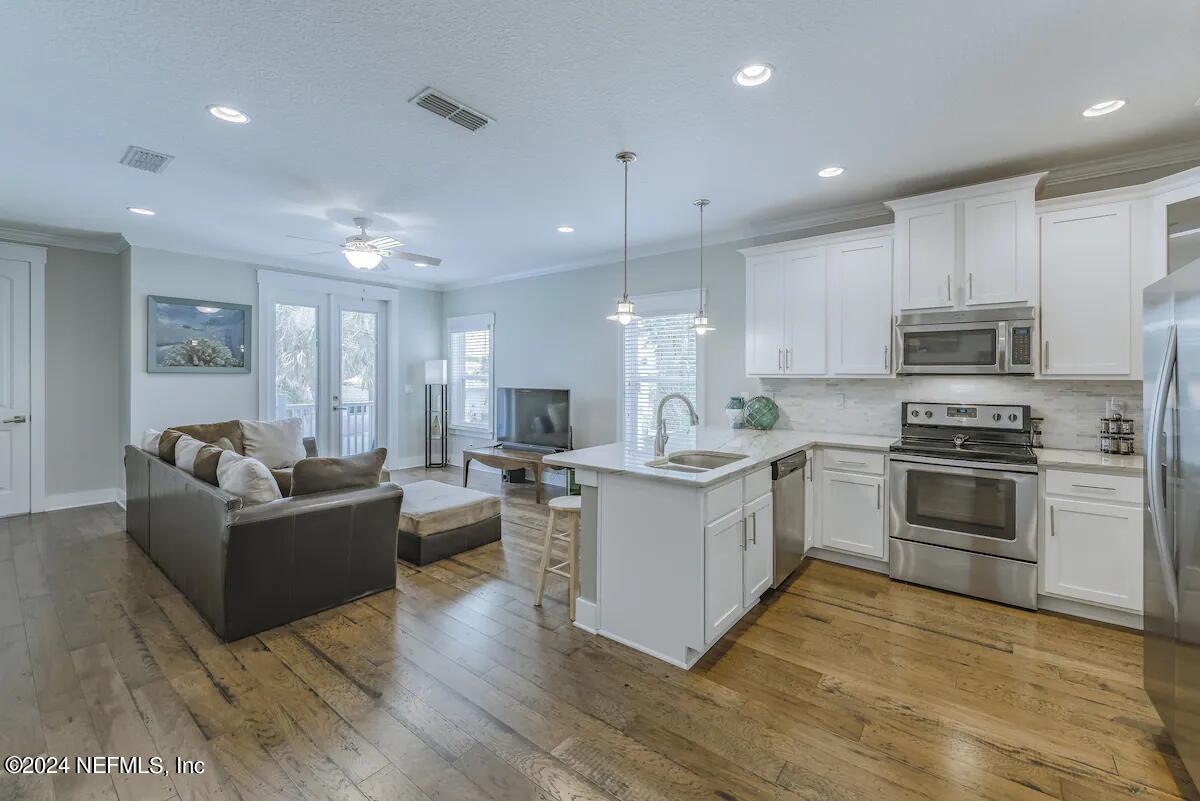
pixel 436 412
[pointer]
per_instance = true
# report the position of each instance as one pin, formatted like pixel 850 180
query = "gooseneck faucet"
pixel 660 438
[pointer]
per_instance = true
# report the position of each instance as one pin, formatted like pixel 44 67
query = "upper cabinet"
pixel 785 313
pixel 860 301
pixel 966 247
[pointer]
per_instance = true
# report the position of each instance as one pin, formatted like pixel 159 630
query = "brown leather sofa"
pixel 247 568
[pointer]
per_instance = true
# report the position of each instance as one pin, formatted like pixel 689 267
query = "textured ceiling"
pixel 907 95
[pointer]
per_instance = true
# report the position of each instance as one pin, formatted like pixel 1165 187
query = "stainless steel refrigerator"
pixel 1171 405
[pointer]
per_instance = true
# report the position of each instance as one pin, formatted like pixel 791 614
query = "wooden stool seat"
pixel 569 507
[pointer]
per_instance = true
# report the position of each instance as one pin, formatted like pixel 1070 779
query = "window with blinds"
pixel 659 358
pixel 471 374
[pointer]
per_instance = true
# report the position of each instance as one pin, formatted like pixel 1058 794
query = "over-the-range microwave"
pixel 974 342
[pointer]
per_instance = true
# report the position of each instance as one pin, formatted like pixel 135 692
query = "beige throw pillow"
pixel 274 443
pixel 185 453
pixel 248 479
pixel 325 473
pixel 150 440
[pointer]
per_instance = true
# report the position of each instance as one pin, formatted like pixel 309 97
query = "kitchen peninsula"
pixel 675 550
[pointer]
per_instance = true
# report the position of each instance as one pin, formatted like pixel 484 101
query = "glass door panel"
pixel 358 402
pixel 975 347
pixel 985 507
pixel 297 365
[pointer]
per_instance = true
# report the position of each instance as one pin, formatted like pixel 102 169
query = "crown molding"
pixel 97 243
pixel 1129 162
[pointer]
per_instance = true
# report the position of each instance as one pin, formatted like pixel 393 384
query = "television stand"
pixel 503 458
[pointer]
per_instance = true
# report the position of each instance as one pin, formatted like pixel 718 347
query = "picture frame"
pixel 186 335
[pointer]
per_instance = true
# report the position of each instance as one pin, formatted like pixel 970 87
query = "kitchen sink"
pixel 694 461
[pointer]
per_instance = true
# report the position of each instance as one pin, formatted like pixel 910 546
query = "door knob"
pixel 20 418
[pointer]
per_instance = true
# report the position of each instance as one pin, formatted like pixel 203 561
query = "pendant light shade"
pixel 700 321
pixel 624 313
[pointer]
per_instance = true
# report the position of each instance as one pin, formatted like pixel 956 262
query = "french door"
pixel 14 387
pixel 328 361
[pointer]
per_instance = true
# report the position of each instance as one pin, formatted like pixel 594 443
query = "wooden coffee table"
pixel 510 459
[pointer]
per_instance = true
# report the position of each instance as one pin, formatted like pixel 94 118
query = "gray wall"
pixel 82 379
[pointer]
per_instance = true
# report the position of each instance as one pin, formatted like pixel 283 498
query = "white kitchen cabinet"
pixel 853 517
pixel 1086 285
pixel 926 243
pixel 758 558
pixel 786 313
pixel 1093 552
pixel 1000 248
pixel 965 247
pixel 723 574
pixel 860 299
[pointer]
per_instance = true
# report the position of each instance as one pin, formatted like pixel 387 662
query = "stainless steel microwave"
pixel 975 342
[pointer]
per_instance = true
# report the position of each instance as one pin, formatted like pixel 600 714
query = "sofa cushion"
pixel 324 473
pixel 248 479
pixel 283 477
pixel 431 507
pixel 275 443
pixel 166 444
pixel 207 459
pixel 186 449
pixel 211 432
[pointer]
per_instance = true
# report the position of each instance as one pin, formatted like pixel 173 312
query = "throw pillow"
pixel 166 445
pixel 205 466
pixel 150 440
pixel 211 432
pixel 248 479
pixel 274 443
pixel 185 453
pixel 325 473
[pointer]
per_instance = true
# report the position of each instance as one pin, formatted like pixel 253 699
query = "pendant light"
pixel 700 322
pixel 624 314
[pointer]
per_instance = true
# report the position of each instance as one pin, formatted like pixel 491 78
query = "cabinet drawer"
pixel 855 461
pixel 722 500
pixel 1122 489
pixel 758 484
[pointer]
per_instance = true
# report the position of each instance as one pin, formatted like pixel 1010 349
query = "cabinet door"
pixel 925 256
pixel 766 313
pixel 1094 552
pixel 1000 248
pixel 861 300
pixel 723 547
pixel 852 514
pixel 805 346
pixel 758 564
pixel 1086 286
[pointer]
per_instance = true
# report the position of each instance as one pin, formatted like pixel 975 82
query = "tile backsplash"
pixel 1072 409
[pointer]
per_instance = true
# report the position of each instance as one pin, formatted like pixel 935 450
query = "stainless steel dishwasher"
pixel 787 495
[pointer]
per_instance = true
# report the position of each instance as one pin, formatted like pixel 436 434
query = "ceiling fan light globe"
pixel 362 259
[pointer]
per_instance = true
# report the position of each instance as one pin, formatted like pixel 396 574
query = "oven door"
pixel 983 510
pixel 953 348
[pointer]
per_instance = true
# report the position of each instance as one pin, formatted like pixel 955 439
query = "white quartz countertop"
pixel 1053 457
pixel 761 448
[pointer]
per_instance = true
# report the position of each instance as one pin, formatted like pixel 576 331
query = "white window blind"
pixel 659 353
pixel 471 372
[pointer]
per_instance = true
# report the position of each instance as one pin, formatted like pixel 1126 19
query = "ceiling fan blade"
pixel 417 258
pixel 310 239
pixel 318 253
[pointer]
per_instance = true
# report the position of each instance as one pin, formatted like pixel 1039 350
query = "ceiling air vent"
pixel 142 159
pixel 443 105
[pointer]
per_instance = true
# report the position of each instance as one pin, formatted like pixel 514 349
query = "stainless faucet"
pixel 660 438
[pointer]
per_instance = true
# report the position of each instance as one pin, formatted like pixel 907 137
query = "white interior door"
pixel 14 387
pixel 359 362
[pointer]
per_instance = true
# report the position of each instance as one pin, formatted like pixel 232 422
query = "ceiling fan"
pixel 367 253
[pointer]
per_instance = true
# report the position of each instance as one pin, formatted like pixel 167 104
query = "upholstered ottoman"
pixel 439 520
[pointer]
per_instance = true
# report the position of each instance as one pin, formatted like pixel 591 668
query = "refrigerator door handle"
pixel 1154 481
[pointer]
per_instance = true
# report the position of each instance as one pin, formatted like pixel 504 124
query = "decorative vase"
pixel 761 413
pixel 735 412
pixel 435 427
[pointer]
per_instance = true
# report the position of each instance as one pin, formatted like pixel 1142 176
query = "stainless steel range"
pixel 964 501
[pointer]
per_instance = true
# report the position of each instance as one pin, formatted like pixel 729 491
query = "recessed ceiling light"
pixel 566 229
pixel 1102 108
pixel 229 114
pixel 831 172
pixel 753 74
pixel 142 211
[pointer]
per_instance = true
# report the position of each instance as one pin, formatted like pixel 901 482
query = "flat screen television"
pixel 533 418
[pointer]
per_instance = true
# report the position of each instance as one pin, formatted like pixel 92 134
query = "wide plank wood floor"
pixel 841 686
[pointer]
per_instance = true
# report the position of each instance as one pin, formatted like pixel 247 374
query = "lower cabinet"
pixel 853 513
pixel 757 558
pixel 738 564
pixel 1093 552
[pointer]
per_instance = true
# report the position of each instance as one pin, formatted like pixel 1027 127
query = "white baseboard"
pixel 71 500
pixel 121 498
pixel 1103 614
pixel 585 615
pixel 406 462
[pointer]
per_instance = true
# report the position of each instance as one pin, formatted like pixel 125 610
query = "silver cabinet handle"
pixel 1095 487
pixel 754 536
pixel 1045 354
pixel 887 365
pixel 779 359
pixel 878 496
pixel 970 285
pixel 20 418
pixel 743 535
pixel 787 358
pixel 1051 520
pixel 948 288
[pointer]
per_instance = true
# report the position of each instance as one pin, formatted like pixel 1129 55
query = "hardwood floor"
pixel 842 685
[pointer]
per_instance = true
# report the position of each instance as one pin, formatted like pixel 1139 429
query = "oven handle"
pixel 1154 489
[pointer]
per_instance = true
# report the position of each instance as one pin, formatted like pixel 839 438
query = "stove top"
pixel 967 432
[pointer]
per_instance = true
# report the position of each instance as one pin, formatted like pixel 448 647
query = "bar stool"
pixel 567 506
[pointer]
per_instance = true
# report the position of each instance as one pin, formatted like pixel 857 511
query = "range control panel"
pixel 958 415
